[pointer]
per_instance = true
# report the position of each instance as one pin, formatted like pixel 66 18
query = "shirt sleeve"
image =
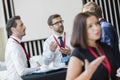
pixel 76 52
pixel 48 55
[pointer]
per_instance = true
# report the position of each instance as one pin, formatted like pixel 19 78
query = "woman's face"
pixel 93 29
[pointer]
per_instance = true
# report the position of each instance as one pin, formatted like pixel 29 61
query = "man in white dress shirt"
pixel 15 56
pixel 55 52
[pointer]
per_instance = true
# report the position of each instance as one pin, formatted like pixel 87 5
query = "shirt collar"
pixel 62 35
pixel 16 38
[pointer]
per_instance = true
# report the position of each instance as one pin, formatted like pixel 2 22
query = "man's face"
pixel 57 25
pixel 19 30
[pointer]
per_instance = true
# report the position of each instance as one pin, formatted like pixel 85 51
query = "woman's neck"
pixel 95 45
pixel 92 44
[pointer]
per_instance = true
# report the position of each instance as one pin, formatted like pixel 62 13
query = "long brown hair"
pixel 79 33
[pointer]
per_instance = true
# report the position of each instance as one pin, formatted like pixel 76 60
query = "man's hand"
pixel 53 46
pixel 65 50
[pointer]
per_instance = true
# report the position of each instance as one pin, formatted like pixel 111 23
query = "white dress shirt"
pixel 15 60
pixel 54 58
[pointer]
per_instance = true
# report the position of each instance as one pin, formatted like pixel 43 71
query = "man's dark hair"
pixel 51 18
pixel 11 23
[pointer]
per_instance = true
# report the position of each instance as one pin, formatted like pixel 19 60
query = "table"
pixel 51 75
pixel 118 78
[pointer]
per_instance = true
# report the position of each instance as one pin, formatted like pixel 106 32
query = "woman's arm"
pixel 74 68
pixel 89 69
